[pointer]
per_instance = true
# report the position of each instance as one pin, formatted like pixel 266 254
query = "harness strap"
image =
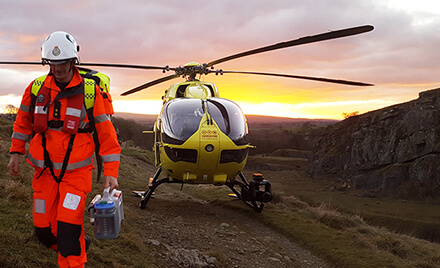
pixel 96 141
pixel 89 101
pixel 98 157
pixel 48 162
pixel 60 123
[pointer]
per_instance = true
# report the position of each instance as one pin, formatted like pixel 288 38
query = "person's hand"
pixel 111 182
pixel 14 165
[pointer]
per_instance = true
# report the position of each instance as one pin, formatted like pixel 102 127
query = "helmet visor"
pixel 56 62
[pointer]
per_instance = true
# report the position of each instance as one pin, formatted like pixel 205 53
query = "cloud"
pixel 400 52
pixel 15 81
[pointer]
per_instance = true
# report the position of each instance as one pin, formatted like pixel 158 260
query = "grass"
pixel 276 163
pixel 345 230
pixel 412 217
pixel 380 227
pixel 341 227
pixel 345 240
pixel 19 246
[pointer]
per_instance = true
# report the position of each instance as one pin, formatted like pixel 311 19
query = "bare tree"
pixel 347 115
pixel 11 109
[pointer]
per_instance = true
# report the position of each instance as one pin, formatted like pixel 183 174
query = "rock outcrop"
pixel 384 149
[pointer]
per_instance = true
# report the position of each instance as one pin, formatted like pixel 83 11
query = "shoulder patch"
pixel 40 98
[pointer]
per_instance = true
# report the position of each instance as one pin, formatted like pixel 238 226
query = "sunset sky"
pixel 401 56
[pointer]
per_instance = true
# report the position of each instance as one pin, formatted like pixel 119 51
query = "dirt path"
pixel 187 232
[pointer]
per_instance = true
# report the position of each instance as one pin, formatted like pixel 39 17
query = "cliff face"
pixel 384 149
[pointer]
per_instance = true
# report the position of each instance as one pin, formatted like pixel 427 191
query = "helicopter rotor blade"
pixel 300 41
pixel 321 79
pixel 22 62
pixel 149 84
pixel 132 66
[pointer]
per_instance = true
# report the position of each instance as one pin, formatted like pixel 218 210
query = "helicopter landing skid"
pixel 154 183
pixel 151 187
pixel 250 193
pixel 150 191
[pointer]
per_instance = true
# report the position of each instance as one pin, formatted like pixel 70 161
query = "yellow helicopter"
pixel 200 138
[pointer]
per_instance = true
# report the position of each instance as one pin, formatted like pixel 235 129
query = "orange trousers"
pixel 58 213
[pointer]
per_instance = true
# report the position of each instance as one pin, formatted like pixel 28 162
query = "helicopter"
pixel 201 138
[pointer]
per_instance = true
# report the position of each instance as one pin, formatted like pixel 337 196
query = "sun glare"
pixel 323 110
pixel 137 106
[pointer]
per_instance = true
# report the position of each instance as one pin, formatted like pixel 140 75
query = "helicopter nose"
pixel 209 144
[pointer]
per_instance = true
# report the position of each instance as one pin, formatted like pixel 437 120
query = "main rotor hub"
pixel 192 69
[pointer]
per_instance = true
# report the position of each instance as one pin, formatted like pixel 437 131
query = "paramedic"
pixel 54 117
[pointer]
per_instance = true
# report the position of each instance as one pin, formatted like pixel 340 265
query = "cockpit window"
pixel 181 119
pixel 229 118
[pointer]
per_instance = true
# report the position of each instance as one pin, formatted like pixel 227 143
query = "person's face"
pixel 62 72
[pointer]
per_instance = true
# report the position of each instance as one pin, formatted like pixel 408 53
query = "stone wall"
pixel 383 149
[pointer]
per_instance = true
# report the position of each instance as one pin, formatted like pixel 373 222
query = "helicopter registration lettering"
pixel 209 134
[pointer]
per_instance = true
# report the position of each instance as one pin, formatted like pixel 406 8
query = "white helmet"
pixel 58 47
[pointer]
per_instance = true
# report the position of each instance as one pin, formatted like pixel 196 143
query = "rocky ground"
pixel 188 232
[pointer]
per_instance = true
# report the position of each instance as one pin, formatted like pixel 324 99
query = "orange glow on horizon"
pixel 255 95
pixel 279 97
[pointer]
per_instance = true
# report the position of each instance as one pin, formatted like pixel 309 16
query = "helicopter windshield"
pixel 181 119
pixel 229 118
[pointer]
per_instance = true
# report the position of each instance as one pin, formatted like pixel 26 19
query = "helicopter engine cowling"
pixel 202 141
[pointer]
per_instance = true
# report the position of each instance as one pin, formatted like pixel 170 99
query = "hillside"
pixel 267 133
pixel 147 119
pixel 142 119
pixel 200 226
pixel 394 150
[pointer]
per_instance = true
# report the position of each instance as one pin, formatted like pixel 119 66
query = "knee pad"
pixel 68 239
pixel 46 236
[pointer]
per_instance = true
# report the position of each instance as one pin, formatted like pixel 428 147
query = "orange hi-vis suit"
pixel 59 198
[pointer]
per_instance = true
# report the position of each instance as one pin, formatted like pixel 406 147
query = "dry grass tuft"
pixel 392 244
pixel 356 235
pixel 293 202
pixel 334 219
pixel 17 191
